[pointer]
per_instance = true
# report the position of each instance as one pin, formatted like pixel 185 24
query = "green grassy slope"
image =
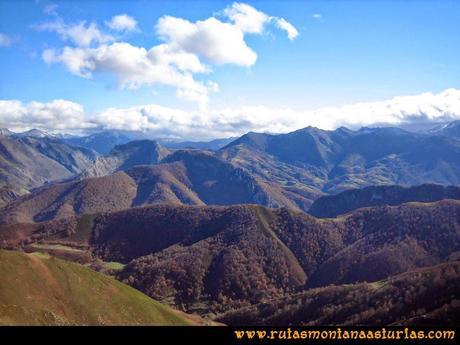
pixel 36 289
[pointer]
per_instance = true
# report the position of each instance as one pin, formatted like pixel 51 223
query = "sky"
pixel 208 69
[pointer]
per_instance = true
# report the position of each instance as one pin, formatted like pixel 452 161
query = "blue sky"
pixel 345 52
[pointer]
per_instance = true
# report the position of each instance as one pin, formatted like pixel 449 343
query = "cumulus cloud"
pixel 135 66
pixel 163 122
pixel 188 48
pixel 58 115
pixel 215 41
pixel 123 23
pixel 247 18
pixel 81 34
pixel 5 40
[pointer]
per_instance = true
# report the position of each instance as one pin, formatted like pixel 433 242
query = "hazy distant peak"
pixel 35 133
pixel 5 132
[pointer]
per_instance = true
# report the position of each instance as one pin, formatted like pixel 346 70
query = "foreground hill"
pixel 428 296
pixel 41 290
pixel 214 259
pixel 29 162
pixel 255 254
pixel 333 205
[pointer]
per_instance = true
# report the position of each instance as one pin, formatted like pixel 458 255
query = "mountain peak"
pixel 35 133
pixel 252 139
pixel 450 129
pixel 5 132
pixel 125 156
pixel 137 144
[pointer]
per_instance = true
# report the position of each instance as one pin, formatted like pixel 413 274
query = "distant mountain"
pixel 34 133
pixel 184 177
pixel 219 183
pixel 102 142
pixel 126 156
pixel 5 132
pixel 289 170
pixel 42 291
pixel 333 205
pixel 451 129
pixel 29 162
pixel 294 169
pixel 310 162
pixel 216 259
pixel 214 145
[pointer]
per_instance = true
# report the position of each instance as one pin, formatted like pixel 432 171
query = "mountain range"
pixel 103 142
pixel 309 227
pixel 289 170
pixel 28 162
pixel 333 161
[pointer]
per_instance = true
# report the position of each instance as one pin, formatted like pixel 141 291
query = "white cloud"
pixel 425 107
pixel 220 42
pixel 200 125
pixel 166 54
pixel 161 121
pixel 122 22
pixel 5 40
pixel 317 16
pixel 81 34
pixel 283 24
pixel 135 66
pixel 246 18
pixel 189 48
pixel 58 115
pixel 151 117
pixel 215 41
pixel 250 20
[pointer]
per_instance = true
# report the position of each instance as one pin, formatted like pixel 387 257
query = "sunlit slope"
pixel 39 290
